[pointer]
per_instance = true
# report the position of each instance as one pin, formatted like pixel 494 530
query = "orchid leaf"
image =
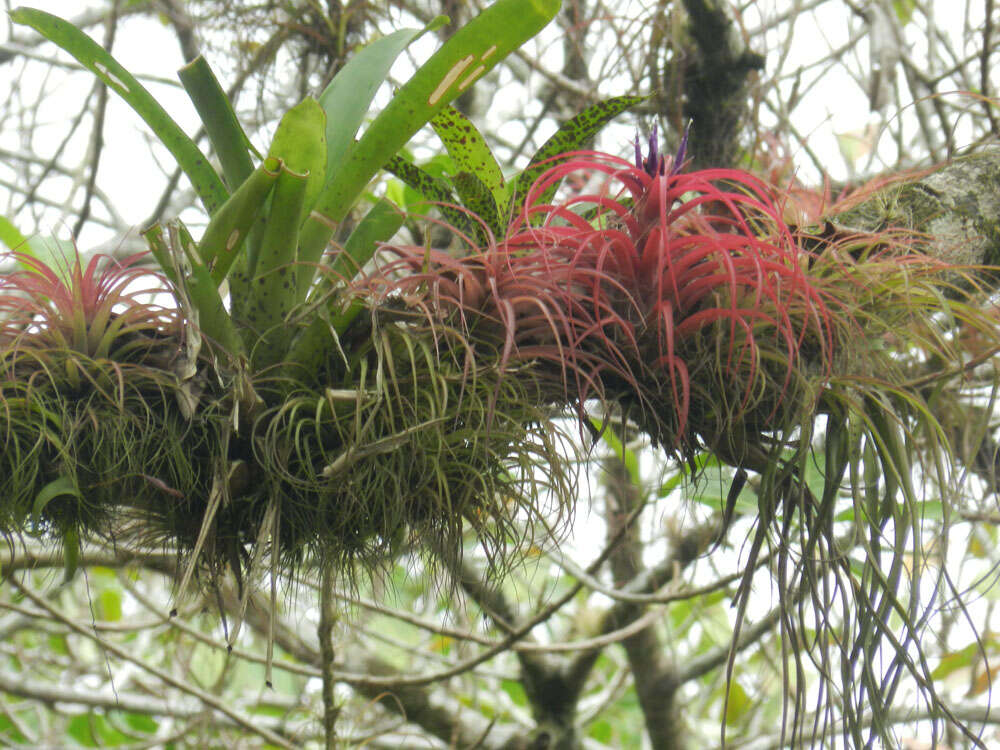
pixel 466 145
pixel 96 59
pixel 216 112
pixel 433 189
pixel 470 53
pixel 571 136
pixel 476 197
pixel 348 96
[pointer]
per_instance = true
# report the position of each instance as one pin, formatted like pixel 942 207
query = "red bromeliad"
pixel 93 311
pixel 656 275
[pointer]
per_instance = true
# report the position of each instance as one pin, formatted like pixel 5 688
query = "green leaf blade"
pixel 571 136
pixel 466 145
pixel 216 112
pixel 300 142
pixel 348 96
pixel 227 231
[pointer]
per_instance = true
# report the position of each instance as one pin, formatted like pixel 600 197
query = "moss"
pixel 957 207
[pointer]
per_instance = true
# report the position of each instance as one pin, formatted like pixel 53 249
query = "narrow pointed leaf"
pixel 571 136
pixel 379 225
pixel 202 291
pixel 468 148
pixel 432 188
pixel 477 198
pixel 216 112
pixel 58 487
pixel 469 54
pixel 348 96
pixel 96 59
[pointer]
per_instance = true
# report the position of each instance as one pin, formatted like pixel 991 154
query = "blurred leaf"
pixel 738 703
pixel 904 10
pixel 628 456
pixel 141 723
pixel 701 461
pixel 109 605
pixel 515 691
pixel 955 660
pixel 600 731
pixel 11 237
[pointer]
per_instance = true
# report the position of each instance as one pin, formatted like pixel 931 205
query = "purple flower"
pixel 654 164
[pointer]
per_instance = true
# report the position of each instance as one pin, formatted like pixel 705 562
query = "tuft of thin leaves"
pixel 417 440
pixel 95 310
pixel 682 294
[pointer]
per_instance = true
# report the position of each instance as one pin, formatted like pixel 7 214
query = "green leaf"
pixel 904 10
pixel 431 187
pixel 216 112
pixel 478 199
pixel 96 59
pixel 737 704
pixel 515 691
pixel 470 53
pixel 381 222
pixel 272 292
pixel 109 605
pixel 701 461
pixel 197 286
pixel 12 238
pixel 300 142
pixel 58 487
pixel 956 660
pixel 571 136
pixel 141 723
pixel 348 96
pixel 434 189
pixel 379 225
pixel 79 729
pixel 228 229
pixel 466 145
